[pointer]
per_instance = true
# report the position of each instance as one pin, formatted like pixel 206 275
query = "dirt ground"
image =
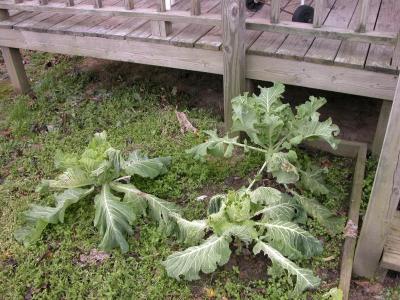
pixel 356 116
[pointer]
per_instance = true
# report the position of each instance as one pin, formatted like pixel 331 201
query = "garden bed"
pixel 71 105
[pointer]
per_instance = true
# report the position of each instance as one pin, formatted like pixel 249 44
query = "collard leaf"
pixel 133 196
pixel 215 204
pixel 70 179
pixel 313 180
pixel 282 169
pixel 113 219
pixel 205 257
pixel 237 206
pixel 190 232
pixel 291 240
pixel 95 153
pixel 162 212
pixel 244 231
pixel 282 210
pixel 270 98
pixel 215 146
pixel 38 217
pixel 265 195
pixel 64 161
pixel 305 279
pixel 138 164
pixel 322 214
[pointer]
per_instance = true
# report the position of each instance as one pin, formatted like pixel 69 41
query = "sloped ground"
pixel 136 105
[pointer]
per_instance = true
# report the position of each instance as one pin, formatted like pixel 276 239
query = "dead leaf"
pixel 95 257
pixel 350 230
pixel 370 287
pixel 210 293
pixel 184 123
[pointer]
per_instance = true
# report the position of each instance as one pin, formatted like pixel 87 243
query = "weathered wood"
pixel 43 2
pixel 353 216
pixel 196 8
pixel 362 24
pixel 69 3
pixel 396 53
pixel 98 3
pixel 331 78
pixel 345 148
pixel 161 28
pixel 384 198
pixel 381 127
pixel 18 1
pixel 318 13
pixel 354 54
pixel 391 254
pixel 234 54
pixel 129 4
pixel 275 11
pixel 15 68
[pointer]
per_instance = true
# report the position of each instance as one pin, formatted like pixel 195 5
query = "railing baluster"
pixel 196 8
pixel 362 25
pixel 18 1
pixel 98 4
pixel 396 54
pixel 275 11
pixel 129 4
pixel 43 2
pixel 161 28
pixel 318 13
pixel 69 3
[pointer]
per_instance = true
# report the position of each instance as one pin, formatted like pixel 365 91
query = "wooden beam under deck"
pixel 331 78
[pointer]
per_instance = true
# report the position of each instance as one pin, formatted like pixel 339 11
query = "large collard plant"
pixel 276 131
pixel 265 218
pixel 103 174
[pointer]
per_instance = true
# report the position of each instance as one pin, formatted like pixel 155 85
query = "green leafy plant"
pixel 102 173
pixel 265 218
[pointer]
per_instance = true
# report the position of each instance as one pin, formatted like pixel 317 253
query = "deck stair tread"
pixel 391 254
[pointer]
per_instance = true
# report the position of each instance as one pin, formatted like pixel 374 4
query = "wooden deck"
pixel 383 15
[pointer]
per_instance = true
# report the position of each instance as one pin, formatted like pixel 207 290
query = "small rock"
pixel 202 198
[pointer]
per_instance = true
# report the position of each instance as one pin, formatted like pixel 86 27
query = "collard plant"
pixel 102 173
pixel 265 218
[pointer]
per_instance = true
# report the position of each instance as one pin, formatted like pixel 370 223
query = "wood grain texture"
pixel 234 53
pixel 4 14
pixel 384 198
pixel 380 56
pixel 196 8
pixel 391 254
pixel 129 4
pixel 353 216
pixel 318 13
pixel 69 3
pixel 275 11
pixel 381 127
pixel 97 3
pixel 363 16
pixel 161 28
pixel 15 69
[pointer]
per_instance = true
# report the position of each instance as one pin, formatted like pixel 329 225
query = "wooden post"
pixel 69 3
pixel 129 4
pixel 234 53
pixel 381 127
pixel 98 3
pixel 318 13
pixel 362 23
pixel 196 8
pixel 43 2
pixel 275 11
pixel 15 69
pixel 396 53
pixel 384 198
pixel 161 28
pixel 354 214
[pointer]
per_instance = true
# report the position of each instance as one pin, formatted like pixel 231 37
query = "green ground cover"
pixel 70 105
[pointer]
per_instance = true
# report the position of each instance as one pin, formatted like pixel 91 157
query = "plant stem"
pixel 247 146
pixel 256 177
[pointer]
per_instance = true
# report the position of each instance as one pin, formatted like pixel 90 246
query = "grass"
pixel 71 104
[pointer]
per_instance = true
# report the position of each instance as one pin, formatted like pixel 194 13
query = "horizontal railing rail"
pixel 162 19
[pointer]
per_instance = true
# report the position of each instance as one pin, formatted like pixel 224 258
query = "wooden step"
pixel 391 253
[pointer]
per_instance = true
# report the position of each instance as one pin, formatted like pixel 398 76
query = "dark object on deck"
pixel 303 14
pixel 254 5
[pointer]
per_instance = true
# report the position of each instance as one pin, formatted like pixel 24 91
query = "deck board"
pixel 380 56
pixel 325 50
pixel 391 253
pixel 354 54
pixel 383 16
